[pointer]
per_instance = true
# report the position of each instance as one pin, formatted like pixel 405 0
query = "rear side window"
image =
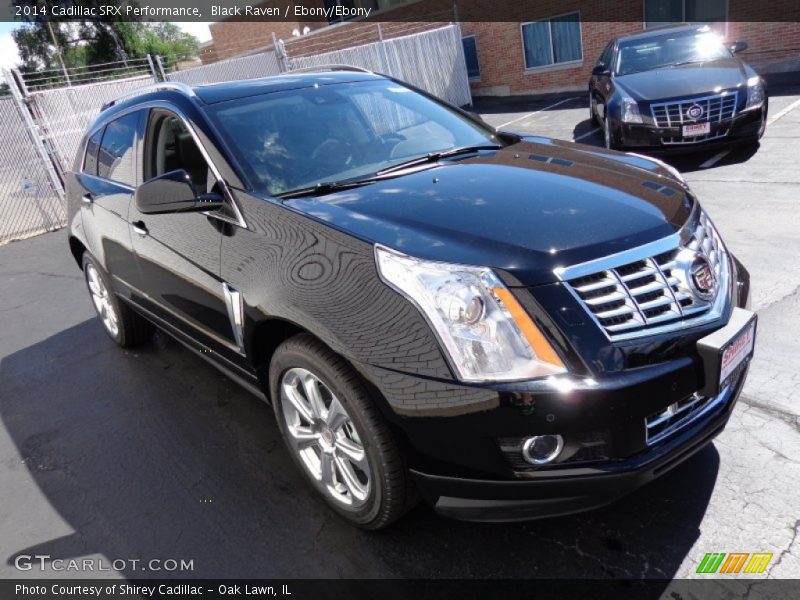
pixel 115 160
pixel 92 146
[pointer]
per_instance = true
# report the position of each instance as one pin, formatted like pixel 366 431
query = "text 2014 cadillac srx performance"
pixel 504 327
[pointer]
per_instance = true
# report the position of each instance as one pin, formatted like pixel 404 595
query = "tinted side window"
pixel 605 58
pixel 170 146
pixel 116 156
pixel 92 146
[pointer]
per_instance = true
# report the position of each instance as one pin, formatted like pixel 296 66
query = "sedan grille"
pixel 716 108
pixel 647 290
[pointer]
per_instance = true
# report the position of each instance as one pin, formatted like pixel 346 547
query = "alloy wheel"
pixel 607 132
pixel 322 434
pixel 102 301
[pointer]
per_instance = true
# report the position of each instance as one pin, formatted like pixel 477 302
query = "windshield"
pixel 669 49
pixel 300 138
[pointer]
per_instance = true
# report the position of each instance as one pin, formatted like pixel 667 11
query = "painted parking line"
pixel 587 134
pixel 715 159
pixel 784 112
pixel 536 112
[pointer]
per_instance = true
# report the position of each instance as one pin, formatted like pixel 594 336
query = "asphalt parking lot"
pixel 113 454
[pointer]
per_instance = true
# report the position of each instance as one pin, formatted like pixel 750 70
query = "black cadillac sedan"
pixel 673 88
pixel 506 328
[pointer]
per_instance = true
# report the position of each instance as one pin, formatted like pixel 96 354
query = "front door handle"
pixel 140 228
pixel 87 198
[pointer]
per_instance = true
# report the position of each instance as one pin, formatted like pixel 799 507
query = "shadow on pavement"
pixel 153 454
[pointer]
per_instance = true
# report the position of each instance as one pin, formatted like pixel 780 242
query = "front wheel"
pixel 336 435
pixel 593 109
pixel 608 135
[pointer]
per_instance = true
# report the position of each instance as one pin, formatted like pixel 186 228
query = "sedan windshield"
pixel 669 50
pixel 297 139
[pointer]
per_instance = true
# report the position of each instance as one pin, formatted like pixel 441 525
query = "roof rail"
pixel 332 67
pixel 176 86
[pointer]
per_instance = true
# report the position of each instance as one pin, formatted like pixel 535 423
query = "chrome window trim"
pixel 646 252
pixel 239 218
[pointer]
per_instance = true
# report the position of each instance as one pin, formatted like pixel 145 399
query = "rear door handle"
pixel 140 228
pixel 87 198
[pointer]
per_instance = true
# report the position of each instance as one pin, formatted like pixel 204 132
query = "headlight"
pixel 630 110
pixel 485 332
pixel 755 93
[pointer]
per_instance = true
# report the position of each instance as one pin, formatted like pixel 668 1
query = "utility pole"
pixel 58 52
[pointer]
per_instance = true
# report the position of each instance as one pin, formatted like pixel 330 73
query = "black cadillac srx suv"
pixel 505 327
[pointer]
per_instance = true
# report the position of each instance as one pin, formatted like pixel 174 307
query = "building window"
pixel 553 41
pixel 471 56
pixel 665 12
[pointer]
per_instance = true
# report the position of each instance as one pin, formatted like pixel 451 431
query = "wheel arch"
pixel 77 249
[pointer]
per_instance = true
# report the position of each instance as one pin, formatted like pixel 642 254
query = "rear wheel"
pixel 336 435
pixel 126 327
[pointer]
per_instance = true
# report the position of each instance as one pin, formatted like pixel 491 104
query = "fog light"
pixel 542 449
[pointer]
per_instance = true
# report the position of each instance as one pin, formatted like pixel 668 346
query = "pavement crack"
pixel 773 411
pixel 788 550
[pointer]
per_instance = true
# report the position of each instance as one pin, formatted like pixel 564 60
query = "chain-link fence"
pixel 63 114
pixel 29 204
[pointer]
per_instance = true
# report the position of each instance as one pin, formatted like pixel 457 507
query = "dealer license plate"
pixel 696 129
pixel 738 350
pixel 726 351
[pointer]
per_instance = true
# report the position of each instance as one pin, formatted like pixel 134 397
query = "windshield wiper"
pixel 327 187
pixel 434 156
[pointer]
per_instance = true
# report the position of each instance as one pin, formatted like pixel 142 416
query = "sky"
pixel 9 56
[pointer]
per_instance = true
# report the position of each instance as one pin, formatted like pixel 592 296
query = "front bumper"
pixel 567 491
pixel 646 136
pixel 455 436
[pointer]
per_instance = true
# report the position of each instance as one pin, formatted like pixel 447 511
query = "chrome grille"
pixel 664 423
pixel 716 108
pixel 647 290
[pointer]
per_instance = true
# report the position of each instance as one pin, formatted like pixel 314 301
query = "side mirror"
pixel 600 70
pixel 737 47
pixel 174 192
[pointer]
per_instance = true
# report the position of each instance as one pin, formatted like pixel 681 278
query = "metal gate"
pixel 30 203
pixel 43 121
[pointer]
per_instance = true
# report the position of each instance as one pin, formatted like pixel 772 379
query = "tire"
pixel 374 489
pixel 763 127
pixel 592 112
pixel 608 135
pixel 126 327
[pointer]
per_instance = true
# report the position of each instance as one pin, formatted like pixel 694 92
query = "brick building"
pixel 539 47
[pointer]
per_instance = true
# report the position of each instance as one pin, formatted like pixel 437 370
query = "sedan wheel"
pixel 324 438
pixel 609 142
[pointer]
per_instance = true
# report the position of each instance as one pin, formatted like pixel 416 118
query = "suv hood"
pixel 523 210
pixel 684 80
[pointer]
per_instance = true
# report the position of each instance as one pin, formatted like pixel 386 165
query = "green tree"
pixel 87 43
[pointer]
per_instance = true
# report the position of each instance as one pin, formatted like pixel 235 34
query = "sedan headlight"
pixel 755 93
pixel 630 110
pixel 484 330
